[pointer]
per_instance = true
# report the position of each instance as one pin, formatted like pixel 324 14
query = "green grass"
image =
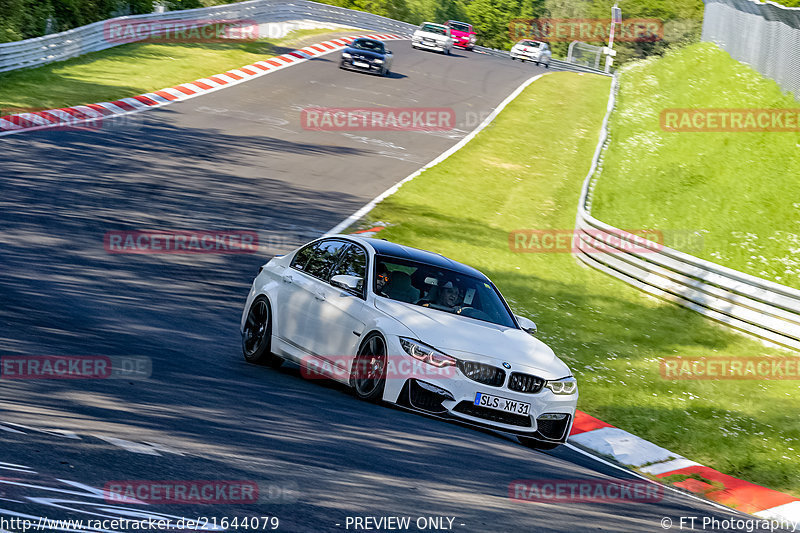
pixel 739 191
pixel 610 334
pixel 131 69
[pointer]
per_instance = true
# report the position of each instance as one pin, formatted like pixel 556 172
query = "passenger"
pixel 382 279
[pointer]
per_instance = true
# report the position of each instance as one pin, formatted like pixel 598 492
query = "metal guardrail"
pixel 555 64
pixel 762 308
pixel 92 38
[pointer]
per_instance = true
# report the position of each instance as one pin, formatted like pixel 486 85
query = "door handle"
pixel 287 278
pixel 319 295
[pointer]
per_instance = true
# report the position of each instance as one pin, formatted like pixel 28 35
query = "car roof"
pixel 367 39
pixel 459 22
pixel 399 251
pixel 433 24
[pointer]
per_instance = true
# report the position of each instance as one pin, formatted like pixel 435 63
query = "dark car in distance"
pixel 367 55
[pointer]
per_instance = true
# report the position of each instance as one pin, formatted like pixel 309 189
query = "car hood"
pixel 365 53
pixel 467 338
pixel 437 36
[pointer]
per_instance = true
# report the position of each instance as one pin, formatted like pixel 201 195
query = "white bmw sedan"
pixel 409 327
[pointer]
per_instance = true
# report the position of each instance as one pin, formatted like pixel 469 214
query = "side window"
pixel 545 47
pixel 323 258
pixel 301 258
pixel 353 263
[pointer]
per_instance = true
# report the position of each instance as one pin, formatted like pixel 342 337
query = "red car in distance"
pixel 462 33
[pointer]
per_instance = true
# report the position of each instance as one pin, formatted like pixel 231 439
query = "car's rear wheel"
pixel 537 444
pixel 369 368
pixel 257 335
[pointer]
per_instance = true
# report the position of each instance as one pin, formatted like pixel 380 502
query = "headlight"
pixel 563 387
pixel 379 61
pixel 345 54
pixel 425 353
pixel 472 38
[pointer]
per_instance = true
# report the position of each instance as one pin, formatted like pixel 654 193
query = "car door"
pixel 340 317
pixel 302 290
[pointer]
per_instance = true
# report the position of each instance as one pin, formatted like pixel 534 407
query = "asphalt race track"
pixel 238 159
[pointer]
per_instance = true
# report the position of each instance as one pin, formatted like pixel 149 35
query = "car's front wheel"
pixel 257 334
pixel 369 368
pixel 537 444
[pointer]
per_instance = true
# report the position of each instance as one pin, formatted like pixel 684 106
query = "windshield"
pixel 460 26
pixel 370 46
pixel 432 28
pixel 441 289
pixel 534 44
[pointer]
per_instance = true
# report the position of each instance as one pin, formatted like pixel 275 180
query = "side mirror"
pixel 348 283
pixel 526 324
pixel 388 52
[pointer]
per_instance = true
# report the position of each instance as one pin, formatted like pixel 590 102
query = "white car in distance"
pixel 413 328
pixel 528 50
pixel 432 36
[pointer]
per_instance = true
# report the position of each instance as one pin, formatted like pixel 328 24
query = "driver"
pixel 446 298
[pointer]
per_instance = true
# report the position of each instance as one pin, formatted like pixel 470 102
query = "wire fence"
pixel 766 36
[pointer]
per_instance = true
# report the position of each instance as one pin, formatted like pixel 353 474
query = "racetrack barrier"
pixel 763 308
pixel 94 37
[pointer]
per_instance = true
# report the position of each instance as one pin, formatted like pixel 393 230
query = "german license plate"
pixel 361 64
pixel 502 404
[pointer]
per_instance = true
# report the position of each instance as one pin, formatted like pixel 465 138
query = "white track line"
pixel 458 146
pixel 637 474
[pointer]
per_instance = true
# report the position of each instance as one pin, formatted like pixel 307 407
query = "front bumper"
pixel 371 66
pixel 463 43
pixel 527 56
pixel 452 396
pixel 429 45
